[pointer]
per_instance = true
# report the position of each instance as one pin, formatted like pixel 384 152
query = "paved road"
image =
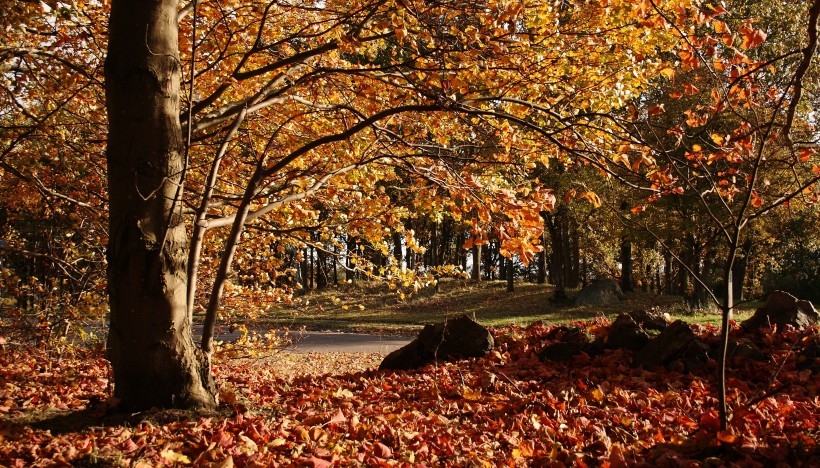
pixel 313 341
pixel 329 342
pixel 332 342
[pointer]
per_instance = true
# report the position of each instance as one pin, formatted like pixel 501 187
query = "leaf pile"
pixel 509 408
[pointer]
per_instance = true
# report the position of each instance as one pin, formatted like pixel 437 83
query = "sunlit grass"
pixel 372 307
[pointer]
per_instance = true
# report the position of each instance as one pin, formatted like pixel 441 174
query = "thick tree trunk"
pixel 150 343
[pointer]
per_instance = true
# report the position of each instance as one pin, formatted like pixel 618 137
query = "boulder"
pixel 677 347
pixel 599 292
pixel 629 330
pixel 456 337
pixel 626 333
pixel 571 342
pixel 783 309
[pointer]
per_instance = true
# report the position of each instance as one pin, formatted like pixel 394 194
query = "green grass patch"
pixel 371 307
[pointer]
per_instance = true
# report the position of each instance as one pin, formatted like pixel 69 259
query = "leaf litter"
pixel 506 409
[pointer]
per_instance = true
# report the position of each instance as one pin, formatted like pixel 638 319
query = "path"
pixel 330 342
pixel 334 342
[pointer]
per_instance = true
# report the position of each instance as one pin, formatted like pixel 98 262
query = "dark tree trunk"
pixel 150 342
pixel 445 243
pixel 311 267
pixel 488 262
pixel 321 269
pixel 541 275
pixel 350 273
pixel 558 268
pixel 669 287
pixel 573 254
pixel 627 280
pixel 461 253
pixel 740 269
pixel 304 267
pixel 510 275
pixel 398 255
pixel 476 263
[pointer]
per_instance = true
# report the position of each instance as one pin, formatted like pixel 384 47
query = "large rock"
pixel 783 309
pixel 599 292
pixel 456 337
pixel 677 347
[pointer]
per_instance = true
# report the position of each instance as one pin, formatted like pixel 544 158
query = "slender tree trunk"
pixel 321 269
pixel 541 275
pixel 741 268
pixel 627 280
pixel 150 342
pixel 558 269
pixel 573 255
pixel 510 275
pixel 398 255
pixel 350 274
pixel 476 263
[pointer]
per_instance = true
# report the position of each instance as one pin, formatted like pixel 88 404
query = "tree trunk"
pixel 476 263
pixel 573 254
pixel 398 254
pixel 627 281
pixel 350 273
pixel 150 342
pixel 558 268
pixel 321 269
pixel 541 275
pixel 510 275
pixel 741 268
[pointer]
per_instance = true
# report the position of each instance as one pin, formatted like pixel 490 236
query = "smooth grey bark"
pixel 476 273
pixel 150 344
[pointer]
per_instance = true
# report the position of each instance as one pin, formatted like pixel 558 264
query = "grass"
pixel 372 308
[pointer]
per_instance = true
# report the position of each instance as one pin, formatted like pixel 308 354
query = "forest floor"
pixel 373 308
pixel 509 408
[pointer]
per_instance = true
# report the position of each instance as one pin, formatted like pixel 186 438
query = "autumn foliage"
pixel 508 409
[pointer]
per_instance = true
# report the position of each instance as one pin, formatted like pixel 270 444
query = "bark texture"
pixel 150 341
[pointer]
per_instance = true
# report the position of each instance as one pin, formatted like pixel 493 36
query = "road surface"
pixel 334 342
pixel 328 342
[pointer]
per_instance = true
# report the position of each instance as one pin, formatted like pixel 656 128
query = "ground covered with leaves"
pixel 508 408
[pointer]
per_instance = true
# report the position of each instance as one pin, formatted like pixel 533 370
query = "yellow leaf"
pixel 591 197
pixel 175 457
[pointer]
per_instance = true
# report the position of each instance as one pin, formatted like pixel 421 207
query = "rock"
pixel 457 337
pixel 745 351
pixel 599 292
pixel 677 346
pixel 629 330
pixel 626 333
pixel 564 351
pixel 783 309
pixel 649 319
pixel 571 342
pixel 809 358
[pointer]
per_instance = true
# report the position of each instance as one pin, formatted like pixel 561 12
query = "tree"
pixel 288 108
pixel 150 342
pixel 749 152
